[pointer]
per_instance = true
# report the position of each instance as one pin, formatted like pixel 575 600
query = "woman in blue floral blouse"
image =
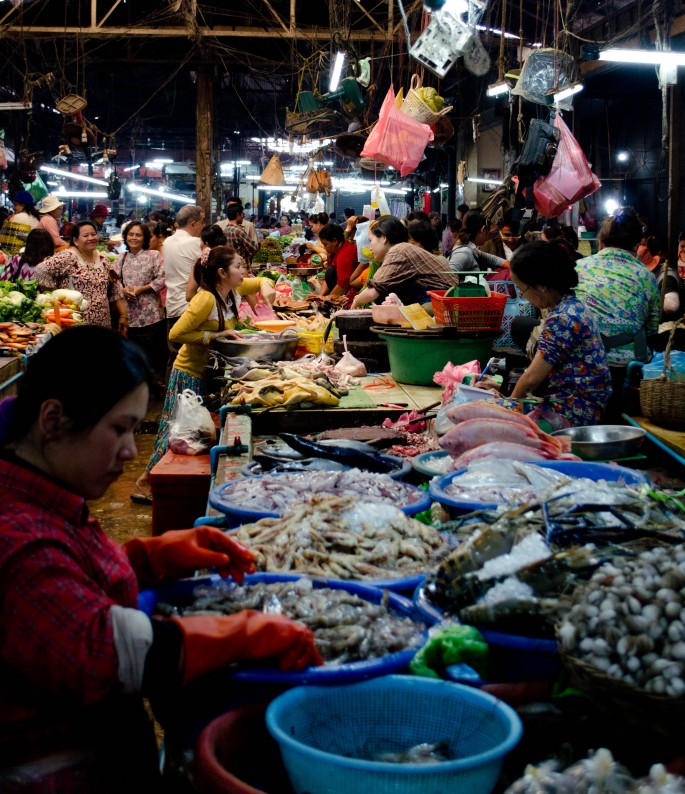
pixel 570 354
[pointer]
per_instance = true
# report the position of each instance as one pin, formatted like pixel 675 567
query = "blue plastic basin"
pixel 572 468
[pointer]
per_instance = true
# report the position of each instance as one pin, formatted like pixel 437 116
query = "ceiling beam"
pixel 319 34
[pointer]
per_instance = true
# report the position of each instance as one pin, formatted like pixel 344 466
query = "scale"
pixel 300 286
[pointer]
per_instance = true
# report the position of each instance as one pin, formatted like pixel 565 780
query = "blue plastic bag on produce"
pixel 570 178
pixel 397 139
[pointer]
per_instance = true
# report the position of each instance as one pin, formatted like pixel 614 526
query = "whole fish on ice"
pixel 484 409
pixel 474 432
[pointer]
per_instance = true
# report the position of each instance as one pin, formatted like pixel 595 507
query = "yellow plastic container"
pixel 312 342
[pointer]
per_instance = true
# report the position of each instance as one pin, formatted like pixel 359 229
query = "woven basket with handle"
pixel 662 399
pixel 415 106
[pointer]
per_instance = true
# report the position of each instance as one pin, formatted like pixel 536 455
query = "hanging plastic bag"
pixel 349 364
pixel 378 201
pixel 569 179
pixel 361 238
pixel 397 139
pixel 191 430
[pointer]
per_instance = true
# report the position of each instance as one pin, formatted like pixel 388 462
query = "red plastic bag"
pixel 569 180
pixel 397 139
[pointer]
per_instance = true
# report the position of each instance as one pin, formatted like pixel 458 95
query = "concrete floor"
pixel 120 518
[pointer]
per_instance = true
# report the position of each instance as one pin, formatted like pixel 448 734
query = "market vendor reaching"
pixel 406 270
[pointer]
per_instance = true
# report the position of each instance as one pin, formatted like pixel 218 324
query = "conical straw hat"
pixel 273 173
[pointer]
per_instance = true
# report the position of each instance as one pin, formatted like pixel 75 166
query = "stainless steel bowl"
pixel 604 442
pixel 271 347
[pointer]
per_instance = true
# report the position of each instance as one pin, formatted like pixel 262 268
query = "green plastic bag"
pixel 448 646
pixel 37 189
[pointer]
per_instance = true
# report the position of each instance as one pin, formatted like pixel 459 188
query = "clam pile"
pixel 629 621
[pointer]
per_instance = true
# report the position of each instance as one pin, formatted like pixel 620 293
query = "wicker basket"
pixel 417 108
pixel 662 399
pixel 659 713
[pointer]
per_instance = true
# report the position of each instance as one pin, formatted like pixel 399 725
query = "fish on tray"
pixel 355 454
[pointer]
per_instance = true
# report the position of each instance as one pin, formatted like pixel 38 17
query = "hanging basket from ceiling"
pixel 369 164
pixel 443 130
pixel 311 121
pixel 350 144
pixel 70 104
pixel 73 134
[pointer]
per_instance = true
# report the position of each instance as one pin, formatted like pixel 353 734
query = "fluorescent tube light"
pixel 62 191
pixel 132 168
pixel 162 160
pixel 483 181
pixel 15 106
pixel 277 188
pixel 336 71
pixel 565 93
pixel 498 88
pixel 657 57
pixel 163 193
pixel 69 175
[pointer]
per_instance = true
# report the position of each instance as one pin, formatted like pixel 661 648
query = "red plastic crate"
pixel 469 314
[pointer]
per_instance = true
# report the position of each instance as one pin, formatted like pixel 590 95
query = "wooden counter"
pixel 10 368
pixel 377 393
pixel 181 483
pixel 670 439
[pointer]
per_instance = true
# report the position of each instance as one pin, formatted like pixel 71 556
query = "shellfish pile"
pixel 628 621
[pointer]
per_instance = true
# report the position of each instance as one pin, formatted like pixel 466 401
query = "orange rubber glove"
pixel 211 643
pixel 181 551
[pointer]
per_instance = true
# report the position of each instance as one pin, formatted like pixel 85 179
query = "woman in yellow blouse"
pixel 211 314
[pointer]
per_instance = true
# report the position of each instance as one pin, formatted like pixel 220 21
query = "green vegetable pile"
pixel 17 301
pixel 269 253
pixel 274 275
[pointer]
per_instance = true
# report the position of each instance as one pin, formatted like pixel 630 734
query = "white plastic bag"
pixel 191 430
pixel 349 364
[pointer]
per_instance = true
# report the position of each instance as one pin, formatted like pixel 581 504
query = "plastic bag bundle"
pixel 569 179
pixel 543 71
pixel 397 139
pixel 191 430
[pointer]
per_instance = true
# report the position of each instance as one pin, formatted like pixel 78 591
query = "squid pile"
pixel 515 570
pixel 275 493
pixel 346 627
pixel 344 539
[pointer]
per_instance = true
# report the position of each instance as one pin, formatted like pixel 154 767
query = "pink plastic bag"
pixel 569 180
pixel 397 139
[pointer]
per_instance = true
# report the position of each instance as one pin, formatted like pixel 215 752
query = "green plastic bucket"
pixel 414 360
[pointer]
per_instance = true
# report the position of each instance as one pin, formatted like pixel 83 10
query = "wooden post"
pixel 204 139
pixel 674 155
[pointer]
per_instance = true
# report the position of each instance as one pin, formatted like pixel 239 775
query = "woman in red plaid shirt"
pixel 76 655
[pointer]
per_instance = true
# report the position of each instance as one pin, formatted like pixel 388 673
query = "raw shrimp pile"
pixel 344 539
pixel 280 492
pixel 346 628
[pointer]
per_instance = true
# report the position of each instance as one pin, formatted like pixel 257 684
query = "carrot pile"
pixel 17 337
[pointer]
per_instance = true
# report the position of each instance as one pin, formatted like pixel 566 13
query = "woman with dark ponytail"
pixel 570 355
pixel 465 255
pixel 211 314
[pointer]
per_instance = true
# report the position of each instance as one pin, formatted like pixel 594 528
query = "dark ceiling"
pixel 136 63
